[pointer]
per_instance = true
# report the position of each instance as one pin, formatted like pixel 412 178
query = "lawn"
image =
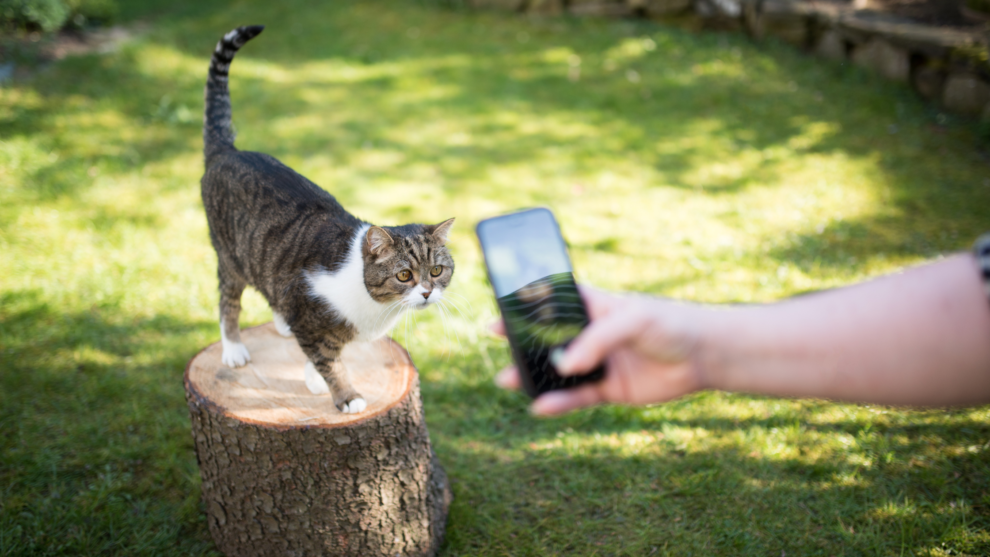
pixel 697 166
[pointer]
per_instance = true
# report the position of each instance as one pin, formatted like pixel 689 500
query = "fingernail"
pixel 560 361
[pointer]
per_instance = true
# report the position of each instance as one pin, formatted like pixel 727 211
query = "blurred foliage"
pixel 92 12
pixel 979 5
pixel 47 15
pixel 51 15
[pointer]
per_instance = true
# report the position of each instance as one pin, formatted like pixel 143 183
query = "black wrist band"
pixel 982 251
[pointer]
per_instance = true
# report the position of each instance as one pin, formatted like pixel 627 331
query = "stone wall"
pixel 948 66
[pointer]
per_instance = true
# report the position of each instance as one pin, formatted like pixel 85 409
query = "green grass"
pixel 701 167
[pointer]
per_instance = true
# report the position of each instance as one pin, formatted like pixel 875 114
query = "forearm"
pixel 921 337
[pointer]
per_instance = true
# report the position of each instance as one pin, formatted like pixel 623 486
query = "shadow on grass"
pixel 850 242
pixel 698 502
pixel 97 448
pixel 96 456
pixel 621 481
pixel 128 120
pixel 761 110
pixel 95 444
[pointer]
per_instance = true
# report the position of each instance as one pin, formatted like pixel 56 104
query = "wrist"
pixel 711 357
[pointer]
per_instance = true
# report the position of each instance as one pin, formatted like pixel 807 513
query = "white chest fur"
pixel 344 290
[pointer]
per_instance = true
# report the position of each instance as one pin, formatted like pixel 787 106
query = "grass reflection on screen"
pixel 540 316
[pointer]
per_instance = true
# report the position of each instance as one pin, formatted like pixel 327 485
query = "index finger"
pixel 595 300
pixel 598 339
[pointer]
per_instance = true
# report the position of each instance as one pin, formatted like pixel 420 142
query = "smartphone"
pixel 531 274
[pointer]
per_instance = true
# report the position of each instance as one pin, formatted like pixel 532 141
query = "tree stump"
pixel 285 473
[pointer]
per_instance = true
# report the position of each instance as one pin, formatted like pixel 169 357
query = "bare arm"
pixel 921 337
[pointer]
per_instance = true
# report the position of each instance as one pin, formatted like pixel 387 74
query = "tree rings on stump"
pixel 285 473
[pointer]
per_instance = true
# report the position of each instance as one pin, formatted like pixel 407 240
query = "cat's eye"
pixel 435 272
pixel 404 275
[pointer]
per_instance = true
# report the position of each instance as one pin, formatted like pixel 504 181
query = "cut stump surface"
pixel 285 473
pixel 270 389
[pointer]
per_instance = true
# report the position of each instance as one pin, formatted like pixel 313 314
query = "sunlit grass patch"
pixel 702 167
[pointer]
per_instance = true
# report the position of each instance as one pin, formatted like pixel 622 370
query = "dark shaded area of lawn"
pixel 936 207
pixel 96 457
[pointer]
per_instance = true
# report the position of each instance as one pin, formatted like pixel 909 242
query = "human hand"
pixel 649 347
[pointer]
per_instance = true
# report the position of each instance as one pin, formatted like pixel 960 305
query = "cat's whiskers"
pixel 445 307
pixel 383 317
pixel 454 305
pixel 460 311
pixel 406 318
pixel 471 334
pixel 446 329
pixel 386 313
pixel 463 299
pixel 449 317
pixel 410 316
pixel 457 306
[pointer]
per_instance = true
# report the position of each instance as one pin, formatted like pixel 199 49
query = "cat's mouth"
pixel 420 302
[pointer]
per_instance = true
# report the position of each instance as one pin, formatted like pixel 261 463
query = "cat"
pixel 329 277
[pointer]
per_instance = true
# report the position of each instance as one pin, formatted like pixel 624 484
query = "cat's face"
pixel 407 264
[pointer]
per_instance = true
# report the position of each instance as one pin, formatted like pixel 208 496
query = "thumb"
pixel 565 400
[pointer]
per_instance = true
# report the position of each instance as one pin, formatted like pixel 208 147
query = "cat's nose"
pixel 426 295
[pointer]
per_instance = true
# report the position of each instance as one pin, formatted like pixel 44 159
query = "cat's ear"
pixel 378 240
pixel 442 230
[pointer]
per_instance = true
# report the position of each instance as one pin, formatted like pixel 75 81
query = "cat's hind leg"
pixel 235 354
pixel 280 325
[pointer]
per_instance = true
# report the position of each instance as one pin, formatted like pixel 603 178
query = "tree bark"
pixel 285 473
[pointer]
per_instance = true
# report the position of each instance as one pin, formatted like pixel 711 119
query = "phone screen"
pixel 535 289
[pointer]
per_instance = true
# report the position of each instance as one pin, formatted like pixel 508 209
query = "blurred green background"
pixel 697 166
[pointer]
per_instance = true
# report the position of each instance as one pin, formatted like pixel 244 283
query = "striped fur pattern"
pixel 329 277
pixel 218 132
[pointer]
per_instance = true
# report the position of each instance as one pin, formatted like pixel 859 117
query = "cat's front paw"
pixel 235 354
pixel 353 406
pixel 314 381
pixel 280 325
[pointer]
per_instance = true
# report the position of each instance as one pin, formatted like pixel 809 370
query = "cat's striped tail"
pixel 218 132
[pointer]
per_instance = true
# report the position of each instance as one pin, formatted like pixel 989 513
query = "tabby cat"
pixel 329 277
